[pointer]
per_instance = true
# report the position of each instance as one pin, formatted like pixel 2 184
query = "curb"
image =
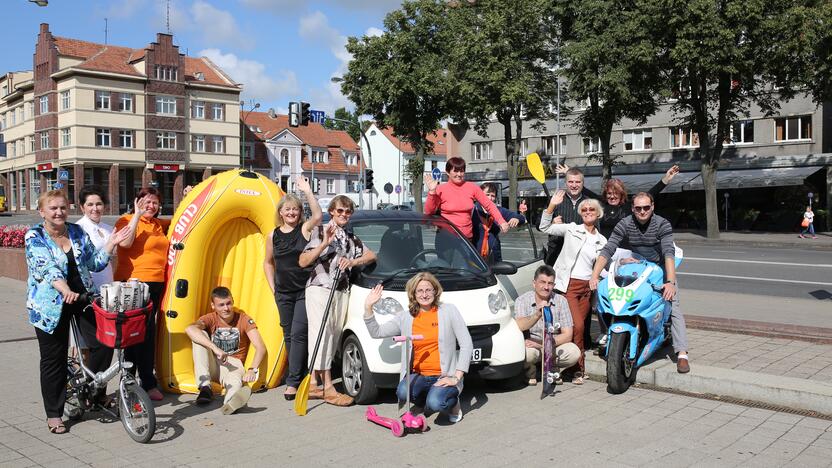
pixel 789 392
pixel 755 243
pixel 820 335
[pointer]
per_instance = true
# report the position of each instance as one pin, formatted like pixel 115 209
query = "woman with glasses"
pixel 288 279
pixel 436 368
pixel 331 247
pixel 573 267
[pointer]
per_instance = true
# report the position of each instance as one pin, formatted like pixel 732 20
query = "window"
pixel 102 100
pixel 166 140
pixel 30 110
pixel 793 128
pixel 21 150
pixel 320 156
pixel 165 73
pixel 22 116
pixel 166 105
pixel 592 145
pixel 219 144
pixel 481 151
pixel 125 139
pixel 31 143
pixel 198 145
pixel 65 100
pixel 3 121
pixel 434 164
pixel 683 137
pixel 741 132
pixel 638 140
pixel 13 117
pixel 524 146
pixel 550 145
pixel 102 137
pixel 330 186
pixel 44 140
pixel 217 111
pixel 11 148
pixel 44 104
pixel 198 110
pixel 125 103
pixel 66 137
pixel 284 157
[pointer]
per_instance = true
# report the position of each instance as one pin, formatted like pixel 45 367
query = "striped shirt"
pixel 653 241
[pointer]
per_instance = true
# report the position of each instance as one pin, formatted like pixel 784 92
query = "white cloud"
pixel 373 31
pixel 218 27
pixel 315 27
pixel 257 82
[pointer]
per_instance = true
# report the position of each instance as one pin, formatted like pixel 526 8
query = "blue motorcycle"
pixel 630 303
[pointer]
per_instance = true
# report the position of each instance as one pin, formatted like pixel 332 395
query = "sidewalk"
pixel 757 239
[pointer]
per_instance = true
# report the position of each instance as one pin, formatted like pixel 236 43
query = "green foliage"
pixel 342 113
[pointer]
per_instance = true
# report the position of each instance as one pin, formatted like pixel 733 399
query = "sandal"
pixel 334 398
pixel 578 379
pixel 57 429
pixel 315 393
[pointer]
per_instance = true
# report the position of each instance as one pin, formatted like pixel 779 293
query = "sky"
pixel 280 50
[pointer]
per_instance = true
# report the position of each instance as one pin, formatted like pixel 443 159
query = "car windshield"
pixel 405 247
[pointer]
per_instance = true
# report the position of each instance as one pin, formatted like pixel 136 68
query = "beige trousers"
pixel 568 354
pixel 208 368
pixel 316 298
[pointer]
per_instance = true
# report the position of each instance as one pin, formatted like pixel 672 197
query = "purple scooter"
pixel 407 420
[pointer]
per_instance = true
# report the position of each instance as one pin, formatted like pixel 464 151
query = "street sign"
pixel 388 188
pixel 398 189
pixel 317 116
pixel 57 185
pixel 63 174
pixel 436 173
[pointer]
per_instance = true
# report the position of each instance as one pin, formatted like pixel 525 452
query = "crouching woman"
pixel 436 368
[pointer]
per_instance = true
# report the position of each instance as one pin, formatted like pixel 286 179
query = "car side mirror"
pixel 503 268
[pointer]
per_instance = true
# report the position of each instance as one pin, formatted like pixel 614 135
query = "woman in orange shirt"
pixel 143 256
pixel 438 367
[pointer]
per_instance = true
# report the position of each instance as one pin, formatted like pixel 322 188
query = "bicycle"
pixel 134 407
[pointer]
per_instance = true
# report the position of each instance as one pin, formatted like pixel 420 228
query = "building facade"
pixel 769 166
pixel 116 117
pixel 391 156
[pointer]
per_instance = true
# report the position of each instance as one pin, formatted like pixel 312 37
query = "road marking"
pixel 761 262
pixel 752 278
pixel 729 251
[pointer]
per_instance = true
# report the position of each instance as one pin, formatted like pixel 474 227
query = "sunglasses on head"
pixel 643 208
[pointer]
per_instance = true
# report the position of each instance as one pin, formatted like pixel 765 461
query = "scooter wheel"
pixel 423 423
pixel 397 429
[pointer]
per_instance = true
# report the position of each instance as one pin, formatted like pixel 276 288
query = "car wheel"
pixel 357 379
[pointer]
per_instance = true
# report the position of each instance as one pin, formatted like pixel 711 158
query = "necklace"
pixel 57 236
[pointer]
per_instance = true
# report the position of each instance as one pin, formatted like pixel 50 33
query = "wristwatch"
pixel 255 369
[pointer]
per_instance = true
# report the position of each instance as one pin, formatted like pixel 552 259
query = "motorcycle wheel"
pixel 621 371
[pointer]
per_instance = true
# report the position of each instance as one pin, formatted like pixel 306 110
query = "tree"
pixel 719 59
pixel 353 130
pixel 399 77
pixel 500 63
pixel 609 63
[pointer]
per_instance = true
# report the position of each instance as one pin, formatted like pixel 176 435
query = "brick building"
pixel 117 117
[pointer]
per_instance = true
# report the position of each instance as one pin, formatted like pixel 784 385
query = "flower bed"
pixel 12 236
pixel 12 255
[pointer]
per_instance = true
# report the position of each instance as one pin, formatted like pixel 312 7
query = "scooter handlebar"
pixel 399 339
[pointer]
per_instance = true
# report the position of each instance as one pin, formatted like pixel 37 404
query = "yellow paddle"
pixel 536 168
pixel 302 397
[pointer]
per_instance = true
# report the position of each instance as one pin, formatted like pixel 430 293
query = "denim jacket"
pixel 46 263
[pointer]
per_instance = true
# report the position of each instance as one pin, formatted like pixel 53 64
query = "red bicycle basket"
pixel 120 330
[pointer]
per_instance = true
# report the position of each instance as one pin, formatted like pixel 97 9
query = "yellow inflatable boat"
pixel 217 238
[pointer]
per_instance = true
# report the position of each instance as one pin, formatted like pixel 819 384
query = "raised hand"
pixel 557 198
pixel 373 297
pixel 139 205
pixel 561 169
pixel 117 237
pixel 670 174
pixel 430 182
pixel 302 184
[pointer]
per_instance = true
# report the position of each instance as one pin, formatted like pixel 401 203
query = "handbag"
pixel 805 222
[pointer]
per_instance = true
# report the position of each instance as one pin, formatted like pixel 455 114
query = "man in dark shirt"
pixel 650 236
pixel 566 211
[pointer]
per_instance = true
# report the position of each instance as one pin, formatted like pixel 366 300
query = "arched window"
pixel 284 157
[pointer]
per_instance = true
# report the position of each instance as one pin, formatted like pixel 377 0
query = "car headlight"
pixel 388 306
pixel 497 301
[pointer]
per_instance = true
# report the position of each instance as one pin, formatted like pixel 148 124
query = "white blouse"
pixel 99 234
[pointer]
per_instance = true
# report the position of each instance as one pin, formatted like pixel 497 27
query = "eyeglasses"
pixel 587 210
pixel 343 211
pixel 644 208
pixel 425 292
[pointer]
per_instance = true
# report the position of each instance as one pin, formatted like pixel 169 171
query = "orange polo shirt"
pixel 426 350
pixel 146 258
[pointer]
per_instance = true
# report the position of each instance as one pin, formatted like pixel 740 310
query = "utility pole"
pixel 369 152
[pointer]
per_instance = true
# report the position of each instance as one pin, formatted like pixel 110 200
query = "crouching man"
pixel 528 312
pixel 221 340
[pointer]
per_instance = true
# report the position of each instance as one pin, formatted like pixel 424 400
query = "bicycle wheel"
pixel 136 413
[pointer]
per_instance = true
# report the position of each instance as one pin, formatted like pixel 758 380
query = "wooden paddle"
pixel 536 168
pixel 302 396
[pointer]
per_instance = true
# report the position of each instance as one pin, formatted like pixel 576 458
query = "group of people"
pixel 306 260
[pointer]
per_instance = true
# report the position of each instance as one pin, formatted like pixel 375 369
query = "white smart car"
pixel 408 242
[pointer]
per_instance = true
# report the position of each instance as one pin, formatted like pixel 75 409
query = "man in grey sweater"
pixel 650 236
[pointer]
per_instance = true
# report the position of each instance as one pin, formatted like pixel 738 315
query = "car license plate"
pixel 476 356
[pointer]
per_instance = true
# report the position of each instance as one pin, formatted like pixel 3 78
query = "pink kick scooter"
pixel 407 420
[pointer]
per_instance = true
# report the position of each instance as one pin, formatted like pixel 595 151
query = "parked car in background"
pixel 398 208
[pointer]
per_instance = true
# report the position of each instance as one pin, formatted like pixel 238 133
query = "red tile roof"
pixel 116 59
pixel 314 134
pixel 439 139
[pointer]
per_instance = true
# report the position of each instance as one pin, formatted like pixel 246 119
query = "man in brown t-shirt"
pixel 227 333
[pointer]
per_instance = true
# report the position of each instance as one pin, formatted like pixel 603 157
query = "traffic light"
pixel 368 179
pixel 294 114
pixel 304 113
pixel 315 184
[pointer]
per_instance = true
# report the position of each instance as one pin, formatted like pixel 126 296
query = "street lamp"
pixel 254 105
pixel 726 195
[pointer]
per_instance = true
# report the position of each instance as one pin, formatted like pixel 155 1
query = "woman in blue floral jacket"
pixel 60 256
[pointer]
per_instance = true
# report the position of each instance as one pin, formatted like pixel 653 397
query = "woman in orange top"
pixel 437 366
pixel 143 255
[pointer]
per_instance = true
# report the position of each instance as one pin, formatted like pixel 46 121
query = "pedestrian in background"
pixel 485 230
pixel 808 224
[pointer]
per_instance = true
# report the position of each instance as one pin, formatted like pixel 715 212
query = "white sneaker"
pixel 455 418
pixel 237 400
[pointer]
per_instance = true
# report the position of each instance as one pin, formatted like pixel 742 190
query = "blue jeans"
pixel 810 229
pixel 423 393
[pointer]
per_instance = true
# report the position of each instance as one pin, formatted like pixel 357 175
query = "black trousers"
pixel 293 321
pixel 53 356
pixel 143 355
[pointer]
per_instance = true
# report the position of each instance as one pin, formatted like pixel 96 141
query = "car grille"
pixel 483 332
